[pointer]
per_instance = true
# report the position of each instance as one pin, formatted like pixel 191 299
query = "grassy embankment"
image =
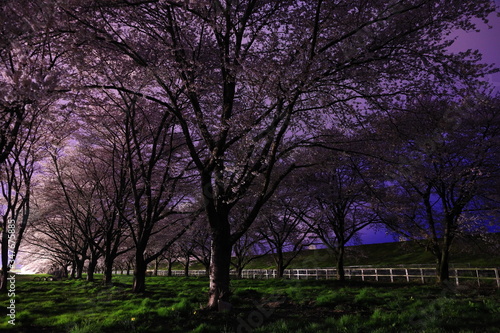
pixel 385 254
pixel 173 305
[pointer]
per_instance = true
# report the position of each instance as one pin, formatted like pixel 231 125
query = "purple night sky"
pixel 487 41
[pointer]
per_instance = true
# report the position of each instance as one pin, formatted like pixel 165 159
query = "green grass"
pixel 175 305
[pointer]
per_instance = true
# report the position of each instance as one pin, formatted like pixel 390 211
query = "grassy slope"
pixel 384 254
pixel 270 306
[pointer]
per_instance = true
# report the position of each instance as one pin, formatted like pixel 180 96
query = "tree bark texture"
pixel 139 284
pixel 219 268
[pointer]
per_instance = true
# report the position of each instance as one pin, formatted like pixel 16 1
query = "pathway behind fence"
pixel 479 276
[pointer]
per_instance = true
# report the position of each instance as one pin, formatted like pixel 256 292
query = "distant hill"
pixel 463 253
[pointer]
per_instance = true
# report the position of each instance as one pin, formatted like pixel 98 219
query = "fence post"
pixel 407 277
pixel 497 277
pixel 376 274
pixel 456 277
pixel 478 280
pixel 362 274
pixel 392 276
pixel 422 275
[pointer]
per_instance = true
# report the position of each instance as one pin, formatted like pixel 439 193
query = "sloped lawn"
pixel 175 305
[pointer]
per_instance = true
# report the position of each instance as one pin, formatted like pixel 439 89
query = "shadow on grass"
pixel 175 305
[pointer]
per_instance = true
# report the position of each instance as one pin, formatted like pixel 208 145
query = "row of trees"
pixel 431 179
pixel 157 114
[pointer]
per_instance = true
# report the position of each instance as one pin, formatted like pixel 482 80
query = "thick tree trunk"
pixel 108 271
pixel 280 263
pixel 79 272
pixel 109 260
pixel 220 264
pixel 340 264
pixel 443 272
pixel 79 268
pixel 91 269
pixel 139 285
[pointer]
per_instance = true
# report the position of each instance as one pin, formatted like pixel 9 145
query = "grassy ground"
pixel 174 305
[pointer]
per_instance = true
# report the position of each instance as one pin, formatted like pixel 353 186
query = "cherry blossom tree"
pixel 248 81
pixel 16 183
pixel 56 234
pixel 29 73
pixel 284 231
pixel 445 171
pixel 103 146
pixel 196 244
pixel 248 248
pixel 156 169
pixel 342 202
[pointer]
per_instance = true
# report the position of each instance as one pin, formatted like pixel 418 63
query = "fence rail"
pixel 481 276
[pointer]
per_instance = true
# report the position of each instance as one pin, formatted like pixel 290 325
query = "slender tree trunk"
pixel 4 281
pixel 169 269
pixel 281 272
pixel 64 269
pixel 157 263
pixel 5 261
pixel 61 273
pixel 280 263
pixel 139 285
pixel 73 270
pixel 340 264
pixel 220 264
pixel 186 266
pixel 128 268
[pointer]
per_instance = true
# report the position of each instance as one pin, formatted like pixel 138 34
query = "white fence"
pixel 481 276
